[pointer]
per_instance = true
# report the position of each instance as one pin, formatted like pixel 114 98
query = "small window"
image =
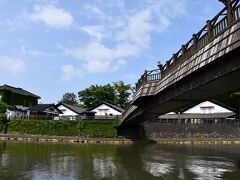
pixel 207 110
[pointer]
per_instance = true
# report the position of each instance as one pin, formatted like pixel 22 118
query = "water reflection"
pixel 103 166
pixel 40 161
pixel 157 164
pixel 158 169
pixel 209 169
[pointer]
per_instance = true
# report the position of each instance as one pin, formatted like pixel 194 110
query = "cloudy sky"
pixel 50 47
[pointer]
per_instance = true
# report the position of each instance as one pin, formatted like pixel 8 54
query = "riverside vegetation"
pixel 3 117
pixel 90 128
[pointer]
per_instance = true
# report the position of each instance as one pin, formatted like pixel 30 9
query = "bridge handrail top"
pixel 189 44
pixel 199 33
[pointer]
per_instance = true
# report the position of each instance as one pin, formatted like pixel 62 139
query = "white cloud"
pixel 138 29
pixel 98 58
pixel 51 16
pixel 11 65
pixel 93 10
pixel 97 32
pixel 70 72
pixel 127 35
pixel 31 52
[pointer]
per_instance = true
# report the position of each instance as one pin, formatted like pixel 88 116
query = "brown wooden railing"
pixel 215 27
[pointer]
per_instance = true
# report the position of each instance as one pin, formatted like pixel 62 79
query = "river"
pixel 42 161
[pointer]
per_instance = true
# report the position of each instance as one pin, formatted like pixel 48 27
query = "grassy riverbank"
pixel 88 128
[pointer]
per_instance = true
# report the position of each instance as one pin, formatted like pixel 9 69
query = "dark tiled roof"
pixel 75 109
pixel 108 104
pixel 42 107
pixel 15 108
pixel 18 91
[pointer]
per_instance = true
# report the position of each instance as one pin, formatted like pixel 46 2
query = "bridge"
pixel 208 65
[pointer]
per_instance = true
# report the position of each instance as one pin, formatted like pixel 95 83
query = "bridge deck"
pixel 219 37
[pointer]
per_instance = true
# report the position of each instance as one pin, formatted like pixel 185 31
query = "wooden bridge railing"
pixel 225 19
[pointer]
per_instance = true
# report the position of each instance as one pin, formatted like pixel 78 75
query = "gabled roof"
pixel 108 104
pixel 75 109
pixel 223 105
pixel 42 107
pixel 212 101
pixel 15 108
pixel 18 91
pixel 197 116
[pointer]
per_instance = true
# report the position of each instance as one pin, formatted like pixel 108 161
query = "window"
pixel 207 110
pixel 103 111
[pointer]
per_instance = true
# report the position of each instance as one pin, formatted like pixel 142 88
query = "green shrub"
pixel 3 123
pixel 65 128
pixel 3 108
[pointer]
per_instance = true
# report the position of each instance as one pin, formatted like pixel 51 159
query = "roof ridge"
pixel 18 90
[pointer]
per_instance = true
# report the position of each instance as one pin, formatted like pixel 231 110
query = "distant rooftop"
pixel 18 91
pixel 76 109
pixel 119 109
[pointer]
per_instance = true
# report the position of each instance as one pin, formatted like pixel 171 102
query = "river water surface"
pixel 41 161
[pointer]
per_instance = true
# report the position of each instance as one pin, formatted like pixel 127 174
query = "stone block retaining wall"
pixel 162 130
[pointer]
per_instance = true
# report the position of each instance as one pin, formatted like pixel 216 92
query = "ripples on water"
pixel 209 169
pixel 40 161
pixel 104 167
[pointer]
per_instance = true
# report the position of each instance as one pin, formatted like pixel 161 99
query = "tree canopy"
pixel 232 100
pixel 69 98
pixel 3 108
pixel 122 93
pixel 117 93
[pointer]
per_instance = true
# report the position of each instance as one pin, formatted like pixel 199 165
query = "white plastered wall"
pixel 215 108
pixel 104 110
pixel 66 111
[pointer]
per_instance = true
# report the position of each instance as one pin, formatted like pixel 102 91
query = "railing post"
pixel 174 57
pixel 209 29
pixel 195 39
pixel 183 50
pixel 229 12
pixel 160 66
pixel 145 75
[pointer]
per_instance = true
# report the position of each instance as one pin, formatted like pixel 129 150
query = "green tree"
pixel 3 117
pixel 3 108
pixel 96 94
pixel 69 98
pixel 232 100
pixel 122 93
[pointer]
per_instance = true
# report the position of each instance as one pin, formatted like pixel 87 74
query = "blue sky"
pixel 52 47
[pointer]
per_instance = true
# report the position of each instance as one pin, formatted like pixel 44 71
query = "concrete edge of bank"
pixel 64 139
pixel 197 141
pixel 82 140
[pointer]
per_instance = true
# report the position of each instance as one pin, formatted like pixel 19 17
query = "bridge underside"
pixel 216 78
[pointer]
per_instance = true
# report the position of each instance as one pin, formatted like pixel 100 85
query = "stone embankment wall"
pixel 161 130
pixel 64 139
